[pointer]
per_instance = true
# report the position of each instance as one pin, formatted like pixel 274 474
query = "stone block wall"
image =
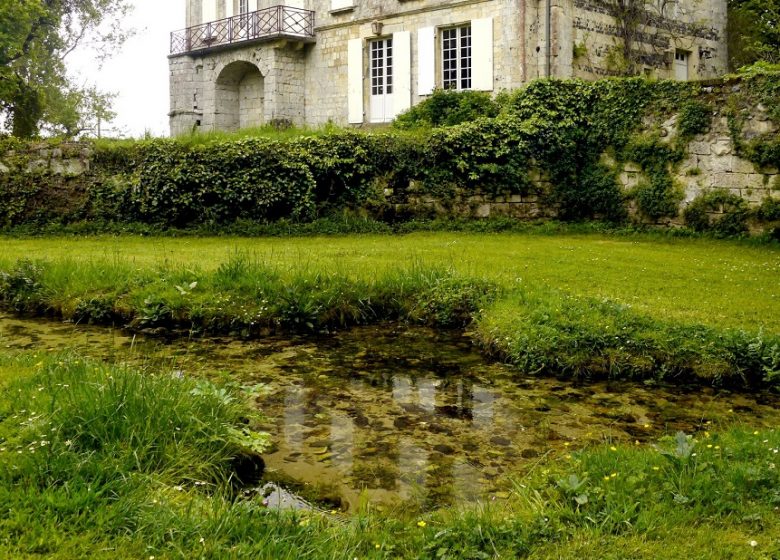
pixel 697 28
pixel 326 69
pixel 313 87
pixel 200 100
pixel 68 160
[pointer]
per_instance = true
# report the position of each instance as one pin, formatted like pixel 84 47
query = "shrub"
pixel 719 212
pixel 694 118
pixel 595 193
pixel 448 108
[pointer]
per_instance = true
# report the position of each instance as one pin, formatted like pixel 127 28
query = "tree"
pixel 754 31
pixel 35 38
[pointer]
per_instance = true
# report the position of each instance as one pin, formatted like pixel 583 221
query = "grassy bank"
pixel 109 462
pixel 562 304
pixel 584 305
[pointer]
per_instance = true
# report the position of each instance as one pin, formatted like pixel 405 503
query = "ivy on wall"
pixel 562 129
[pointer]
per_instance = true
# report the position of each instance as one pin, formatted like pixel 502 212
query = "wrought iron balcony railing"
pixel 270 23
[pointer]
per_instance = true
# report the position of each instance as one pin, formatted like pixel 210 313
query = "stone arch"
pixel 239 96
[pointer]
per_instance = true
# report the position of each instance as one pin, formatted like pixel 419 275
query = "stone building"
pixel 243 63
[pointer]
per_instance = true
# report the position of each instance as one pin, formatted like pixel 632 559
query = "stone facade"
pixel 337 71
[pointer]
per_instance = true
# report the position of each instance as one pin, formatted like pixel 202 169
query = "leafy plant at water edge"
pixel 21 287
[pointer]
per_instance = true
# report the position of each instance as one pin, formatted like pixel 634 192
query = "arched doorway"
pixel 240 97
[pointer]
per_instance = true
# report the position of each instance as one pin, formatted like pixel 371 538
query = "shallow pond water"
pixel 392 413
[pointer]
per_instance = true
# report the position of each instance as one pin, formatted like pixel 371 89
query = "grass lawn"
pixel 717 283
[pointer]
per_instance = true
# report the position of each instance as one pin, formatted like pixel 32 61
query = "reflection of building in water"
pixel 482 407
pixel 412 463
pixel 409 457
pixel 342 439
pixel 466 481
pixel 426 390
pixel 402 389
pixel 294 417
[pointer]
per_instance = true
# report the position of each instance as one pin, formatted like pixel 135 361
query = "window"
pixel 681 64
pixel 381 67
pixel 456 58
pixel 381 80
pixel 243 6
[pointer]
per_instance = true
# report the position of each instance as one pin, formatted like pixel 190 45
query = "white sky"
pixel 139 73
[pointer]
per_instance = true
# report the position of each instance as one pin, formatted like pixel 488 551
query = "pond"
pixel 392 413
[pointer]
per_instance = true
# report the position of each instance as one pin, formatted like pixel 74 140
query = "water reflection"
pixel 389 414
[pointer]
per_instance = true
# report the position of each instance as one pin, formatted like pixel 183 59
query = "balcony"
pixel 277 22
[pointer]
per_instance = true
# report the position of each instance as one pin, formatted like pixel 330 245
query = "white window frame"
pixel 243 6
pixel 457 55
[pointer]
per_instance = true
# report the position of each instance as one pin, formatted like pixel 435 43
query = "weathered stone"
pixel 722 147
pixel 482 211
pixel 3 168
pixel 37 166
pixel 739 165
pixel 700 148
pixel 631 167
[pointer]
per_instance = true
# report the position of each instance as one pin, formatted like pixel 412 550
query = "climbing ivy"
pixel 575 134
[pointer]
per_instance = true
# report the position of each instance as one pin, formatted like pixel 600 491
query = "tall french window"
pixel 456 58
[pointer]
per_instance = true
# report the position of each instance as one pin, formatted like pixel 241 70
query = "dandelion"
pixel 606 478
pixel 613 475
pixel 377 546
pixel 755 433
pixel 421 524
pixel 656 468
pixel 717 447
pixel 709 446
pixel 613 448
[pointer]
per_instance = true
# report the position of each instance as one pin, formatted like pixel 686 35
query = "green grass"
pixel 109 462
pixel 716 283
pixel 588 305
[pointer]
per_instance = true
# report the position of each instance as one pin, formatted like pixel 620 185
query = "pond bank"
pixel 394 413
pixel 154 484
pixel 539 329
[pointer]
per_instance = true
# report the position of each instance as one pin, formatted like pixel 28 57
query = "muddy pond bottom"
pixel 391 413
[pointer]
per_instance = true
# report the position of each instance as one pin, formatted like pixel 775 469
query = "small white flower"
pixel 753 544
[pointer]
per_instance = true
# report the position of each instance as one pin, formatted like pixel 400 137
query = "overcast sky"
pixel 139 73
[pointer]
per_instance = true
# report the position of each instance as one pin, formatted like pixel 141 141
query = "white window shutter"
pixel 402 72
pixel 355 80
pixel 426 60
pixel 482 54
pixel 228 8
